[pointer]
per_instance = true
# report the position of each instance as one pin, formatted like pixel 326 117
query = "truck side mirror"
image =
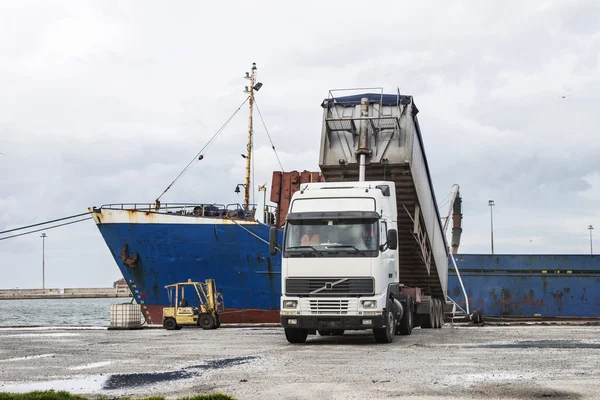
pixel 392 239
pixel 273 247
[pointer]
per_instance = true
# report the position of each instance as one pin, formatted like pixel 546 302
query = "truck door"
pixel 387 256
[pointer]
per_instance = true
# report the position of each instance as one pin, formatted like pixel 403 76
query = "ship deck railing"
pixel 212 210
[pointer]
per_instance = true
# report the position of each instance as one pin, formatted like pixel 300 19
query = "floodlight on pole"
pixel 590 227
pixel 491 204
pixel 43 236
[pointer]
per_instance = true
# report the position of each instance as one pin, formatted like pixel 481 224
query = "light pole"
pixel 590 227
pixel 263 188
pixel 43 236
pixel 491 204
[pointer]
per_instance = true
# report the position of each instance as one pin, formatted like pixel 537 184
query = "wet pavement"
pixel 520 362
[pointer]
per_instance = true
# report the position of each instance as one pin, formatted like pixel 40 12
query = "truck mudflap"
pixel 321 322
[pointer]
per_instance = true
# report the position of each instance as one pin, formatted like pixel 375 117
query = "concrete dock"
pixel 67 293
pixel 492 362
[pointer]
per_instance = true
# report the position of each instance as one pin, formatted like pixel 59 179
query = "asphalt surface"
pixel 491 362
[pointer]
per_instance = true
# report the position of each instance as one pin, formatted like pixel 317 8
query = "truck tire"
pixel 428 320
pixel 386 334
pixel 296 335
pixel 324 333
pixel 442 316
pixel 170 324
pixel 206 321
pixel 406 323
pixel 477 316
pixel 436 314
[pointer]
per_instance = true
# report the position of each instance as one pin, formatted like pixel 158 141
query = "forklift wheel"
pixel 206 321
pixel 218 323
pixel 170 324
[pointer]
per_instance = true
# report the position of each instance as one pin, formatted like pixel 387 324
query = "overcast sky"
pixel 105 102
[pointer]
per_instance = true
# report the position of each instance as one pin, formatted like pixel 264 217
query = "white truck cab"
pixel 339 268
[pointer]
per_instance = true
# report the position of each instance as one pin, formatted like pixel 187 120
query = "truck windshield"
pixel 347 235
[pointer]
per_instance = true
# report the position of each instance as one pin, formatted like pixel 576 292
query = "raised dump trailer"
pixel 365 249
pixel 393 151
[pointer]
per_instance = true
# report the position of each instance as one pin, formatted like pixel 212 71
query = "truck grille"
pixel 329 286
pixel 328 306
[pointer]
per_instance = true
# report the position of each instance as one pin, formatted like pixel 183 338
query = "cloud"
pixel 108 103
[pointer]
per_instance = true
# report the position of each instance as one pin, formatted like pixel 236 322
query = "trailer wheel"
pixel 442 316
pixel 436 314
pixel 477 316
pixel 406 323
pixel 206 321
pixel 386 335
pixel 296 335
pixel 428 320
pixel 170 324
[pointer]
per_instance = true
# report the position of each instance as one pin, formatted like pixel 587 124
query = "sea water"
pixel 57 311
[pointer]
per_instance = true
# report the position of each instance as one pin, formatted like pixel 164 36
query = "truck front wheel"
pixel 386 335
pixel 296 335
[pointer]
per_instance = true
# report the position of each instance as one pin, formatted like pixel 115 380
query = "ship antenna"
pixel 250 91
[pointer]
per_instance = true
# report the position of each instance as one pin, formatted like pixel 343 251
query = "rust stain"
pixel 558 295
pixel 130 261
pixel 530 300
pixel 583 298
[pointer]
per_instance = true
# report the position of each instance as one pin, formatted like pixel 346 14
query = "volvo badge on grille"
pixel 329 286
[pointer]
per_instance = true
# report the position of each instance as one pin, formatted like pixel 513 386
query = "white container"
pixel 125 316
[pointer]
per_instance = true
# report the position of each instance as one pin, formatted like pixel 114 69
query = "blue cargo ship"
pixel 155 247
pixel 527 285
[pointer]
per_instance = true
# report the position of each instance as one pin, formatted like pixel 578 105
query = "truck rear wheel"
pixel 406 323
pixel 386 335
pixel 436 313
pixel 428 320
pixel 296 335
pixel 441 314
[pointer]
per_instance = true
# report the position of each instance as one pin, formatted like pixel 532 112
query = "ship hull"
pixel 529 285
pixel 153 250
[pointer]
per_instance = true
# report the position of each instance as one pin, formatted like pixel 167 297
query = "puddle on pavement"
pixel 86 385
pixel 540 344
pixel 98 383
pixel 119 381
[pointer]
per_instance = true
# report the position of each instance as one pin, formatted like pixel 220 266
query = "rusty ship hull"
pixel 155 248
pixel 529 285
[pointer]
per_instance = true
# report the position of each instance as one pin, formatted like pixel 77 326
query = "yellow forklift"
pixel 202 306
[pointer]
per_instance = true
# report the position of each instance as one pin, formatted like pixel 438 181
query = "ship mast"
pixel 250 90
pixel 254 86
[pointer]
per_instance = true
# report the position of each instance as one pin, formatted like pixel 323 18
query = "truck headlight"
pixel 290 303
pixel 369 303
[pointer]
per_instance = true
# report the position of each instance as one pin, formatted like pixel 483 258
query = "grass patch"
pixel 52 395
